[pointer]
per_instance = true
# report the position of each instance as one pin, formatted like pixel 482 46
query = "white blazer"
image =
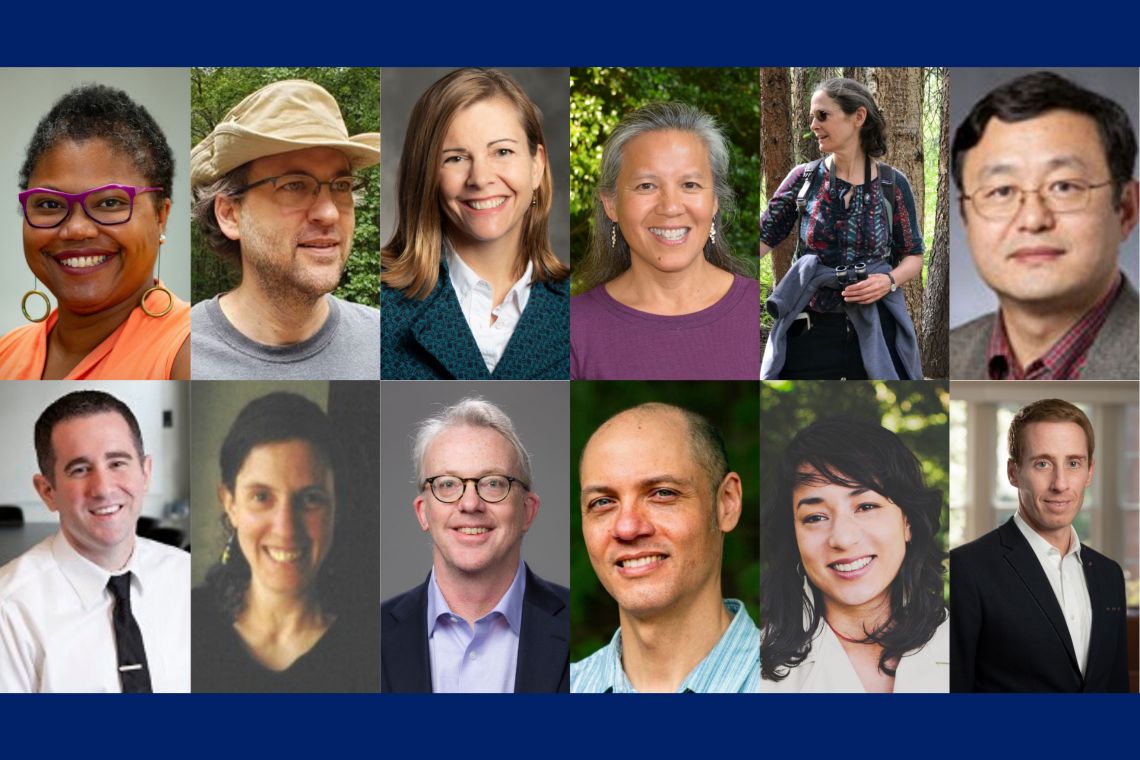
pixel 827 668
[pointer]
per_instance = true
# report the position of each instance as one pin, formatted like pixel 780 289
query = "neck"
pixel 1060 538
pixel 855 621
pixel 660 649
pixel 1032 328
pixel 495 261
pixel 277 614
pixel 75 335
pixel 848 163
pixel 473 595
pixel 670 293
pixel 273 320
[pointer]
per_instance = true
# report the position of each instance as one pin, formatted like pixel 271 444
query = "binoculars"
pixel 849 275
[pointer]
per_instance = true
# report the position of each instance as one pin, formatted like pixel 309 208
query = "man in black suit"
pixel 482 621
pixel 1031 608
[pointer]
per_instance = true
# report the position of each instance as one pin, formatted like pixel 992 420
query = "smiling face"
pixel 1040 257
pixel 664 201
pixel 283 509
pixel 1051 477
pixel 472 538
pixel 292 253
pixel 97 486
pixel 852 541
pixel 837 131
pixel 89 266
pixel 652 526
pixel 487 175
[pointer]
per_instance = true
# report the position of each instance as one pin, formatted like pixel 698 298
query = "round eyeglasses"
pixel 490 488
pixel 297 192
pixel 1000 202
pixel 45 208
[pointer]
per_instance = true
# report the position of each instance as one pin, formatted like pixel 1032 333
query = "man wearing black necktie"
pixel 94 608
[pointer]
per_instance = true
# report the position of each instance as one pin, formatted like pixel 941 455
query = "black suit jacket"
pixel 1007 632
pixel 544 640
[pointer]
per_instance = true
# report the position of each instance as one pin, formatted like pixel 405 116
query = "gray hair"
pixel 470 412
pixel 202 212
pixel 605 261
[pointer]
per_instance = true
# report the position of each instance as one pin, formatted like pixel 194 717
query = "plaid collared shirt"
pixel 1064 360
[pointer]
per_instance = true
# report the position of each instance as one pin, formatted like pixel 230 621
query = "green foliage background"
pixel 733 407
pixel 918 412
pixel 214 90
pixel 599 97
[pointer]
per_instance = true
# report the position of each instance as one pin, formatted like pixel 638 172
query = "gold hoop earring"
pixel 169 302
pixel 35 291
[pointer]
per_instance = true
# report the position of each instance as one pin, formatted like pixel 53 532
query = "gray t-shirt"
pixel 347 347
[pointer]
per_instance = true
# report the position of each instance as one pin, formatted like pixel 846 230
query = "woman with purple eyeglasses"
pixel 96 194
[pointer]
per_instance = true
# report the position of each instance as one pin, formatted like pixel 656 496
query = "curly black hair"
pixel 854 453
pixel 96 111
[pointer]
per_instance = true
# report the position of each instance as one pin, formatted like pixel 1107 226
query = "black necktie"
pixel 134 675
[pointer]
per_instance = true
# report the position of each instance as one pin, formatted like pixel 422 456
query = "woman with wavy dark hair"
pixel 266 618
pixel 851 585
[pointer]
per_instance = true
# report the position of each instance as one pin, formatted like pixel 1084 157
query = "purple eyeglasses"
pixel 110 204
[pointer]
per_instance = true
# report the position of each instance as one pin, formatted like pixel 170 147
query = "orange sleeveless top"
pixel 142 348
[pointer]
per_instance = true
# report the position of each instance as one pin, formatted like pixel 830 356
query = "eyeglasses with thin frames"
pixel 1064 196
pixel 490 488
pixel 45 208
pixel 298 192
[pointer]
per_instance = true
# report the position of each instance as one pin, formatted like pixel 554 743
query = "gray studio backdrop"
pixel 548 88
pixel 969 296
pixel 541 414
pixel 28 94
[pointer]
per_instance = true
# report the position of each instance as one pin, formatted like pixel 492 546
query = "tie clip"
pixel 123 668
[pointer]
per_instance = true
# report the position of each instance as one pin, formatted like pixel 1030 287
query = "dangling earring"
pixel 158 287
pixel 800 569
pixel 712 232
pixel 228 547
pixel 162 238
pixel 613 234
pixel 35 291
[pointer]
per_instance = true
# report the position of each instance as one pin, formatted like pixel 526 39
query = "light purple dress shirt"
pixel 479 660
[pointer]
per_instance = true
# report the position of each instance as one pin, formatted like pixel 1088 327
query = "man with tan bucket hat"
pixel 274 192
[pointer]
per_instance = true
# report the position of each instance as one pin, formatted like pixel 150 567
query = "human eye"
pixel 343 185
pixel 664 494
pixel 813 519
pixel 78 471
pixel 644 187
pixel 999 192
pixel 504 152
pixel 1075 464
pixel 867 506
pixel 1041 464
pixel 494 481
pixel 598 503
pixel 1066 187
pixel 295 184
pixel 313 500
pixel 452 159
pixel 447 483
pixel 692 185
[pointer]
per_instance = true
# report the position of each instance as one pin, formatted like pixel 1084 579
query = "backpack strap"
pixel 887 188
pixel 807 185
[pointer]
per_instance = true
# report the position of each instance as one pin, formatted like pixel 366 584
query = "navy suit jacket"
pixel 430 339
pixel 1007 632
pixel 544 640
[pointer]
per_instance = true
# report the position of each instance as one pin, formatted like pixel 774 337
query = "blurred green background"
pixel 599 97
pixel 733 407
pixel 918 412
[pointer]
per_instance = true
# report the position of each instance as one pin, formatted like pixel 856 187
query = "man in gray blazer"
pixel 1048 195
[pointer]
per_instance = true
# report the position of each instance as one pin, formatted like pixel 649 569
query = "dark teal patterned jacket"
pixel 429 339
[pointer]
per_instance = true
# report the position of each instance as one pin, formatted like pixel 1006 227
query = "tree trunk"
pixel 898 91
pixel 935 333
pixel 804 81
pixel 858 73
pixel 776 149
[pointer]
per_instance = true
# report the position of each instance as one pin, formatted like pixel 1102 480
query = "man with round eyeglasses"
pixel 275 193
pixel 482 621
pixel 1047 195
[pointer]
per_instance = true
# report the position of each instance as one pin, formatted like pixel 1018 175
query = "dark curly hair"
pixel 96 111
pixel 853 453
pixel 270 419
pixel 850 95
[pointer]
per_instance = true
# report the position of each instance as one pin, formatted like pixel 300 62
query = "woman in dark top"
pixel 266 618
pixel 858 219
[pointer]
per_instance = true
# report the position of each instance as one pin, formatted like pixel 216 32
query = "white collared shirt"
pixel 56 633
pixel 474 294
pixel 1067 579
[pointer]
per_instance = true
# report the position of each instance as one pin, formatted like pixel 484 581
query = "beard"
pixel 280 268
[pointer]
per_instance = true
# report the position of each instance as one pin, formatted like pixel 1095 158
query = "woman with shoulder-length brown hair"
pixel 470 288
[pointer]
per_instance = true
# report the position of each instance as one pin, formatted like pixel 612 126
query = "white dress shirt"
pixel 828 669
pixel 474 294
pixel 56 632
pixel 1067 579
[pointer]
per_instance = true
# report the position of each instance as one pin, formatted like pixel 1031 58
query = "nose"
pixel 844 531
pixel 77 225
pixel 469 501
pixel 1060 480
pixel 480 172
pixel 285 520
pixel 98 483
pixel 1034 214
pixel 669 201
pixel 324 211
pixel 631 522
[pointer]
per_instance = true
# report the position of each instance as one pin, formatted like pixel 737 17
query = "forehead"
pixel 1055 138
pixel 319 162
pixel 285 460
pixel 637 445
pixel 666 150
pixel 1058 439
pixel 491 115
pixel 460 449
pixel 91 435
pixel 77 166
pixel 821 100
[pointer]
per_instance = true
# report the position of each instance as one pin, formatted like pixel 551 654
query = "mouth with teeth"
pixel 284 555
pixel 473 531
pixel 852 568
pixel 106 511
pixel 81 263
pixel 485 204
pixel 670 235
pixel 635 566
pixel 327 246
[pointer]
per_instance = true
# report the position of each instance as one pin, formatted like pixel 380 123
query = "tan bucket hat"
pixel 280 117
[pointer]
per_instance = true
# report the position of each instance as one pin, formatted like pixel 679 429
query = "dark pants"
pixel 830 349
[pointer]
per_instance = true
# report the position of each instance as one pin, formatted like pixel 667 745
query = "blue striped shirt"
pixel 732 667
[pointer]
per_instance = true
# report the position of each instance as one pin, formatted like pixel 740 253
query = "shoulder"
pixel 358 313
pixel 544 589
pixel 589 675
pixel 979 551
pixel 168 558
pixel 23 574
pixel 399 607
pixel 21 336
pixel 1092 558
pixel 968 346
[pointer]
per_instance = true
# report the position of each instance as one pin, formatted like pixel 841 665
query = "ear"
pixel 860 115
pixel 531 505
pixel 1011 473
pixel 228 212
pixel 729 502
pixel 46 491
pixel 1129 211
pixel 610 205
pixel 906 529
pixel 163 215
pixel 538 167
pixel 421 507
pixel 146 467
pixel 226 499
pixel 1092 466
